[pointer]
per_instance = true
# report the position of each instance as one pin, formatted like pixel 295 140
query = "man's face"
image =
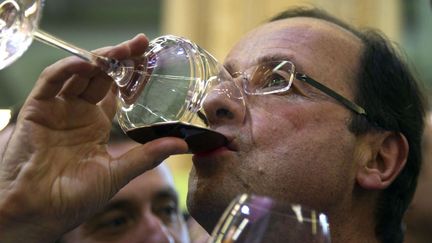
pixel 145 210
pixel 295 146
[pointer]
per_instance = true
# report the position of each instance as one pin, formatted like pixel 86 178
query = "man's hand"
pixel 56 171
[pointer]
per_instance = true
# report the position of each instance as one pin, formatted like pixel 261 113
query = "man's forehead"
pixel 286 36
pixel 307 26
pixel 318 48
pixel 147 184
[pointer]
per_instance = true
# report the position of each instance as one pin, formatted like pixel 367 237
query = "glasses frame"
pixel 304 78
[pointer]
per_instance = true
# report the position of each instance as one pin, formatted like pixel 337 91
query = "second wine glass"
pixel 256 219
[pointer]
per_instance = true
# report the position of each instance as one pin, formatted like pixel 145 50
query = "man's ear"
pixel 386 158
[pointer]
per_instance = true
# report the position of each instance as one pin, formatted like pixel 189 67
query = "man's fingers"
pixel 97 89
pixel 99 86
pixel 53 78
pixel 75 86
pixel 108 104
pixel 138 45
pixel 145 157
pixel 134 47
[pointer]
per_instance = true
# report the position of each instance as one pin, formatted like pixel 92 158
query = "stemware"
pixel 160 93
pixel 253 218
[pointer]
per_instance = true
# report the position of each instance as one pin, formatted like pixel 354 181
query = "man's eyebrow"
pixel 167 193
pixel 276 57
pixel 231 67
pixel 119 205
pixel 283 57
pixel 115 205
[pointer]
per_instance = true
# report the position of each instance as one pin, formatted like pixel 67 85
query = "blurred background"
pixel 213 24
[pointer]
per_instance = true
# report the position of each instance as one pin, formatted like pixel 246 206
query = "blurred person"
pixel 418 219
pixel 145 210
pixel 334 122
pixel 197 233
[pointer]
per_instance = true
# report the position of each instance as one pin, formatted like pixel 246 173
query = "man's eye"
pixel 167 213
pixel 275 81
pixel 115 223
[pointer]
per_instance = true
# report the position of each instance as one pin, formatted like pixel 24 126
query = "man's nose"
pixel 224 105
pixel 153 230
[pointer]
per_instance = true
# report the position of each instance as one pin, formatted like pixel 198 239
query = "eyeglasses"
pixel 275 77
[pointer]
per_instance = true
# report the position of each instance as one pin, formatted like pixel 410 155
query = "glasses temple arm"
pixel 349 104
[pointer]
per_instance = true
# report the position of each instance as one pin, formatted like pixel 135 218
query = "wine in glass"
pixel 159 94
pixel 256 219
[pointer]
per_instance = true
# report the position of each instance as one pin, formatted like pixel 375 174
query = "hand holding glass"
pixel 159 94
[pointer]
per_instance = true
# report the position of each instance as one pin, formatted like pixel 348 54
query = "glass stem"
pixel 117 70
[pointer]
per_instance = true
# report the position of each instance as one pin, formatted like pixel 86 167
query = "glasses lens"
pixel 269 78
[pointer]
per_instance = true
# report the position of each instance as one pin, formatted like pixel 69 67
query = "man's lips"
pixel 230 147
pixel 207 163
pixel 210 152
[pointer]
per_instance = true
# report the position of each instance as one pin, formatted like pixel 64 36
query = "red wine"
pixel 198 139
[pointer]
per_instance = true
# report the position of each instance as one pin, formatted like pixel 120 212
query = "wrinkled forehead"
pixel 313 45
pixel 149 183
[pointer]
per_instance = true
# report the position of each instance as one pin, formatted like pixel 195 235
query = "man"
pixel 350 148
pixel 306 147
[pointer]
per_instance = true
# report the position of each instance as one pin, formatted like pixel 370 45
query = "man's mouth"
pixel 210 153
pixel 201 140
pixel 229 147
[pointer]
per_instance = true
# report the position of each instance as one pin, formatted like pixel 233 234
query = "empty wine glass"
pixel 160 93
pixel 18 20
pixel 255 219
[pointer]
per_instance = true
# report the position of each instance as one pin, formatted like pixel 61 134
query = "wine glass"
pixel 254 219
pixel 160 93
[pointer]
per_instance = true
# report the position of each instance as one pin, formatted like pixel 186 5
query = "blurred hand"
pixel 56 171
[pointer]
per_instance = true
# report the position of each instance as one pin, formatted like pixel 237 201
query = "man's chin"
pixel 207 206
pixel 209 194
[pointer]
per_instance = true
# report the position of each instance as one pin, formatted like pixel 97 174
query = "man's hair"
pixel 390 94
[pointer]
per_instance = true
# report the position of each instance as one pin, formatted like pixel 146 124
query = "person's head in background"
pixel 145 210
pixel 418 219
